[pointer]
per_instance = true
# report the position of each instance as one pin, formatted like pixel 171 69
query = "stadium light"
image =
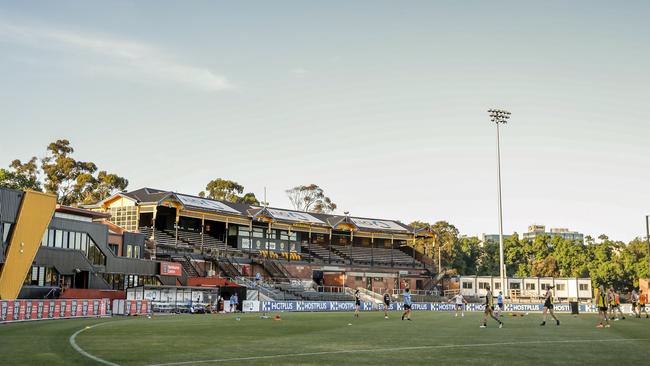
pixel 499 116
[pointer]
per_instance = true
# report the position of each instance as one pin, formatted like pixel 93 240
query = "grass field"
pixel 325 338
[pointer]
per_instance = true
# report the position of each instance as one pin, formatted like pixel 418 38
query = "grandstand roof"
pixel 337 222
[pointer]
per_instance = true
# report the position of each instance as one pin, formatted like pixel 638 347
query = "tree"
pixel 21 176
pixel 90 189
pixel 61 171
pixel 72 181
pixel 310 198
pixel 229 191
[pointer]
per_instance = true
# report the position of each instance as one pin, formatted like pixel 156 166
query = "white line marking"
pixel 396 349
pixel 76 347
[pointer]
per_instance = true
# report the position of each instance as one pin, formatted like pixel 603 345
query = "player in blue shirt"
pixel 407 305
pixel 499 304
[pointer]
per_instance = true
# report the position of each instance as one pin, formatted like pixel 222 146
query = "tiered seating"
pixel 163 238
pixel 377 256
pixel 194 238
pixel 321 252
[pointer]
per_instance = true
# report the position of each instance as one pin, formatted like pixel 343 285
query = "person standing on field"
pixel 489 309
pixel 407 305
pixel 634 298
pixel 643 299
pixel 548 306
pixel 601 303
pixel 460 304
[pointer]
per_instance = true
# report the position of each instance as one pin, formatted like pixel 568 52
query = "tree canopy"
pixel 310 198
pixel 607 262
pixel 229 191
pixel 73 182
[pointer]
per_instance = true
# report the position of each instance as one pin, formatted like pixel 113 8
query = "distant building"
pixel 536 230
pixel 494 237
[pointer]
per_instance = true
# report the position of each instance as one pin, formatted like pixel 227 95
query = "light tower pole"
pixel 647 238
pixel 499 116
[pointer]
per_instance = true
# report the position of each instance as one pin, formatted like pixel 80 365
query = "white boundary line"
pixel 76 347
pixel 469 345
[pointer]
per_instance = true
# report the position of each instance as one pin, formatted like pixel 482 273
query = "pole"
pixel 501 263
pixel 647 238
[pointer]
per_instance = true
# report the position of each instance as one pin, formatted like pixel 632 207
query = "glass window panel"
pixel 44 241
pixel 65 239
pixel 58 239
pixel 41 276
pixel 50 238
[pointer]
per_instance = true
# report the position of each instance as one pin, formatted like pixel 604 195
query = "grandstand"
pixel 231 240
pixel 175 239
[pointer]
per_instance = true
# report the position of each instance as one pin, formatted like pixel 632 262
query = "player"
pixel 386 304
pixel 634 297
pixel 489 308
pixel 234 301
pixel 499 304
pixel 601 303
pixel 460 304
pixel 407 305
pixel 643 299
pixel 357 303
pixel 615 305
pixel 548 306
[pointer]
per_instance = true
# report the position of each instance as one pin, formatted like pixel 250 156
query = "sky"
pixel 381 103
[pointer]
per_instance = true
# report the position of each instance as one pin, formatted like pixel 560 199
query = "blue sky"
pixel 383 104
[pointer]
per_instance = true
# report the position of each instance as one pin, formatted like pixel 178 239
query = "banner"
pixel 24 310
pixel 171 269
pixel 131 307
pixel 368 306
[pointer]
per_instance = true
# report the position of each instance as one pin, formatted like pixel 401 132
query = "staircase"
pixel 228 268
pixel 277 271
pixel 187 266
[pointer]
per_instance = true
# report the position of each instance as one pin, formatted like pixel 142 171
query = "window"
pixel 42 276
pixel 258 232
pixel 124 217
pixel 560 287
pixel 114 249
pixel 530 286
pixel 584 287
pixel 467 285
pixel 5 232
pixel 44 241
pixel 129 251
pixel 65 240
pixel 497 285
pixel 50 238
pixel 58 239
pixel 544 286
pixel 136 252
pixel 515 285
pixel 483 285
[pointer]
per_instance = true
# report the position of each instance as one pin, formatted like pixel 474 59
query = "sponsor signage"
pixel 295 216
pixel 377 224
pixel 205 203
pixel 171 269
pixel 368 306
pixel 24 310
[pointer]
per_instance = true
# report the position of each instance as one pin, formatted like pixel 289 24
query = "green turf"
pixel 370 340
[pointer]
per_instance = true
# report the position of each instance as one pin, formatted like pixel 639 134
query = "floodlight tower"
pixel 499 116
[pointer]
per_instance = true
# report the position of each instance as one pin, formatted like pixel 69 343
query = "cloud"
pixel 299 71
pixel 118 57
